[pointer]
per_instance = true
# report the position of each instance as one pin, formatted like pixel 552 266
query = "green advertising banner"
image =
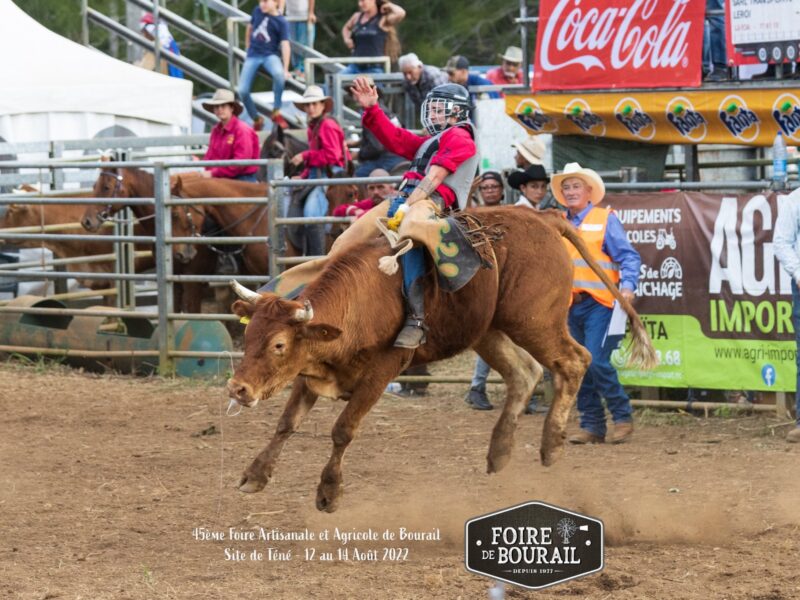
pixel 711 293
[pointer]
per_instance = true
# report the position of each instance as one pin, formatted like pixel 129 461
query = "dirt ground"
pixel 109 485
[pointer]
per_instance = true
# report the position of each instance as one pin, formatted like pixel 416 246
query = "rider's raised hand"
pixel 364 92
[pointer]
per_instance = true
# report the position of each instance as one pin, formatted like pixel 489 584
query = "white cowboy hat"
pixel 588 176
pixel 223 96
pixel 314 93
pixel 513 54
pixel 532 149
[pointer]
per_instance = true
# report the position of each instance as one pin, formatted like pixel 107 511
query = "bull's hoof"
pixel 551 453
pixel 250 484
pixel 497 461
pixel 328 497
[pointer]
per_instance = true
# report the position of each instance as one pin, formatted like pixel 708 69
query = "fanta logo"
pixel 635 121
pixel 739 122
pixel 788 119
pixel 585 120
pixel 687 121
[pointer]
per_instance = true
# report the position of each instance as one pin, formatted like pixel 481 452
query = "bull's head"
pixel 278 344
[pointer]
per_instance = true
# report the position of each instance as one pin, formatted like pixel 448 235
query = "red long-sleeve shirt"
pixel 325 146
pixel 234 141
pixel 455 146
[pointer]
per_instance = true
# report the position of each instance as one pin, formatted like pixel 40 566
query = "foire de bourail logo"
pixel 742 122
pixel 530 114
pixel 625 35
pixel 580 113
pixel 786 112
pixel 534 545
pixel 683 117
pixel 632 116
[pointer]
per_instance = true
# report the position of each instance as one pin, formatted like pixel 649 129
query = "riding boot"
pixel 413 333
pixel 315 240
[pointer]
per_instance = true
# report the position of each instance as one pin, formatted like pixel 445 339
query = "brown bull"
pixel 336 340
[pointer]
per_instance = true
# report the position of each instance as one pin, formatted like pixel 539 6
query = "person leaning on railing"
pixel 302 26
pixel 419 79
pixel 366 32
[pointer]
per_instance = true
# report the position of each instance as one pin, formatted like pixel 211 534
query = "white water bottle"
pixel 779 162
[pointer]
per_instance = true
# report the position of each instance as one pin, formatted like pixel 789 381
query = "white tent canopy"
pixel 43 72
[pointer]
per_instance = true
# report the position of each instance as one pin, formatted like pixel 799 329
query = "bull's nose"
pixel 87 224
pixel 240 391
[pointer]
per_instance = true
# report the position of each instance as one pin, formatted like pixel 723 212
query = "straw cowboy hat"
pixel 223 96
pixel 588 176
pixel 513 55
pixel 314 93
pixel 532 149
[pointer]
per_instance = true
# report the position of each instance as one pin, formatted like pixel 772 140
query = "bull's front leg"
pixel 258 474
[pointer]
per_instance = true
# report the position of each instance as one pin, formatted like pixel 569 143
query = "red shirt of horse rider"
pixel 231 139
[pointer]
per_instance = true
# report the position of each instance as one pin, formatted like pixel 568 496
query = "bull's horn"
pixel 244 293
pixel 304 314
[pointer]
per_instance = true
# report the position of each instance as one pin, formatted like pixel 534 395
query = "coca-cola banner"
pixel 596 44
pixel 711 293
pixel 743 116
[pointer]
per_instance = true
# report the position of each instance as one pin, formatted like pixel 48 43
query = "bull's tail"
pixel 642 353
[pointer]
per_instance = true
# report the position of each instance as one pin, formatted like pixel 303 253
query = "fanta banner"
pixel 751 117
pixel 711 293
pixel 760 31
pixel 594 44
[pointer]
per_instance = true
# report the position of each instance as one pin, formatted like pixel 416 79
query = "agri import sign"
pixel 711 293
pixel 586 44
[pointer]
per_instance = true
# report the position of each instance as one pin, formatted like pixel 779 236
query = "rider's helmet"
pixel 442 103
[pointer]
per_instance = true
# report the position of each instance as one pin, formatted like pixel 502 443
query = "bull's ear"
pixel 319 332
pixel 177 186
pixel 243 309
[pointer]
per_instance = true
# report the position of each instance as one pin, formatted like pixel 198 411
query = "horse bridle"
pixel 104 214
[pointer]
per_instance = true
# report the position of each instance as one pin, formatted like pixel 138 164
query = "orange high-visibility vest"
pixel 593 231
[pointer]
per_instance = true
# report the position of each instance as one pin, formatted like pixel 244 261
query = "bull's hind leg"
pixel 521 374
pixel 364 397
pixel 258 474
pixel 568 361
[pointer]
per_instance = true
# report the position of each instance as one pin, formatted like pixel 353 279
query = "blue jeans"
pixel 273 65
pixel 316 204
pixel 480 375
pixel 796 323
pixel 303 33
pixel 356 69
pixel 588 323
pixel 714 38
pixel 386 161
pixel 249 177
pixel 413 261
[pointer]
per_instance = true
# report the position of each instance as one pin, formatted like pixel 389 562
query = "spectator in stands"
pixel 165 39
pixel 581 190
pixel 786 242
pixel 715 63
pixel 509 72
pixel 267 41
pixel 371 153
pixel 302 27
pixel 532 184
pixel 367 31
pixel 530 151
pixel 377 193
pixel 231 139
pixel 457 69
pixel 492 188
pixel 326 152
pixel 419 79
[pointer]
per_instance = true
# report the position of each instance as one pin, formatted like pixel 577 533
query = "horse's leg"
pixel 364 397
pixel 568 361
pixel 258 474
pixel 520 373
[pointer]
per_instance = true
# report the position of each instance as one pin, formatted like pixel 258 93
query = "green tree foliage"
pixel 478 29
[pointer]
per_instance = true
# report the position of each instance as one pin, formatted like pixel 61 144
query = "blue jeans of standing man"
pixel 796 323
pixel 714 51
pixel 303 33
pixel 480 375
pixel 273 65
pixel 588 322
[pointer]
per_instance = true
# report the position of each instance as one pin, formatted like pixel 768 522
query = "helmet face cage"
pixel 436 112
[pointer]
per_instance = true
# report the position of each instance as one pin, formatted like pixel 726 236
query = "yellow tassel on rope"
pixel 244 320
pixel 394 222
